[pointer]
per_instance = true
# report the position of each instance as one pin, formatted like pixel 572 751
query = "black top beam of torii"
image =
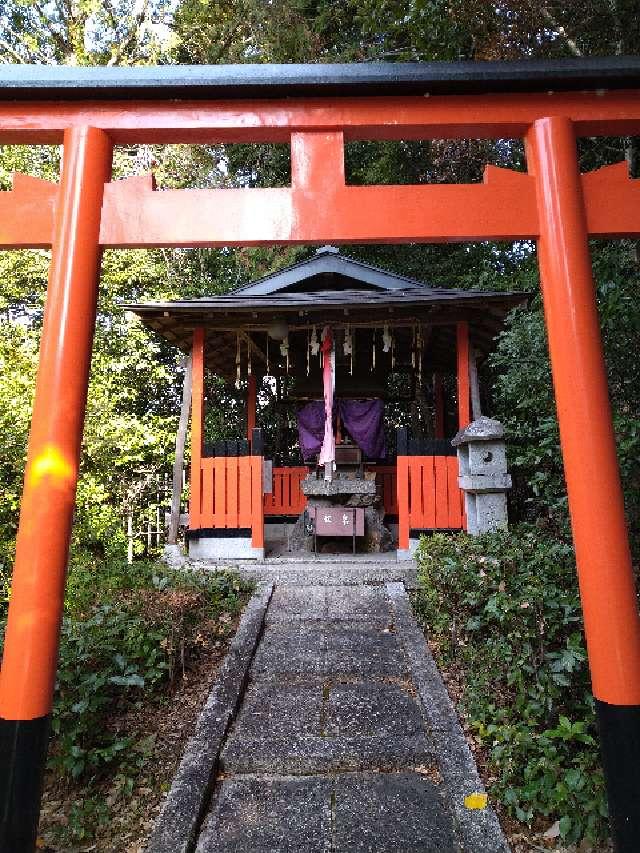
pixel 43 82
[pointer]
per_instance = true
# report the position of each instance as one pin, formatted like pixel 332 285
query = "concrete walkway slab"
pixel 360 813
pixel 320 725
pixel 372 708
pixel 308 603
pixel 259 815
pixel 391 812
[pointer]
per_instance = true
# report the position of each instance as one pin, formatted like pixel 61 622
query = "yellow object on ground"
pixel 476 800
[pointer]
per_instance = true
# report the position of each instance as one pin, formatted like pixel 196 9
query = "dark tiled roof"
pixel 348 291
pixel 321 300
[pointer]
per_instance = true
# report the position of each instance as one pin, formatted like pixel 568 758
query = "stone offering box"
pixel 336 521
pixel 346 494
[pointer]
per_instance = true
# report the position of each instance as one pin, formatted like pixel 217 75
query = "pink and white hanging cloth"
pixel 328 450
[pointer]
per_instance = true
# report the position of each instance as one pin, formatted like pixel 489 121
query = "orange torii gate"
pixel 316 109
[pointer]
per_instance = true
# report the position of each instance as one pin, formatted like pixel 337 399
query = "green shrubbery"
pixel 504 614
pixel 523 392
pixel 126 630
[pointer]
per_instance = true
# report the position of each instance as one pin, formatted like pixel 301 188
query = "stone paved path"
pixel 328 729
pixel 329 752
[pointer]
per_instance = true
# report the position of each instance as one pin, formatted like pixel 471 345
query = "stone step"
pixel 330 603
pixel 323 569
pixel 342 648
pixel 299 755
pixel 323 573
pixel 362 813
pixel 327 725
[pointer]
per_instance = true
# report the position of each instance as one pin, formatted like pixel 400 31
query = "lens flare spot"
pixel 50 463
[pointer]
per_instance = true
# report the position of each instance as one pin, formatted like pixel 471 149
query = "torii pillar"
pixel 46 512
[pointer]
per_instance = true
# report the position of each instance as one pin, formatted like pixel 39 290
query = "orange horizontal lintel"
pixel 135 215
pixel 27 213
pixel 612 201
pixel 605 113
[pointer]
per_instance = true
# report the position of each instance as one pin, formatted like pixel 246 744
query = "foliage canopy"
pixel 134 394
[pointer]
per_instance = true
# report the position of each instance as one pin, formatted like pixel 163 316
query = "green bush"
pixel 124 631
pixel 109 657
pixel 504 615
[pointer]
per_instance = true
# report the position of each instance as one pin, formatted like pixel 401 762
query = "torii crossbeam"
pixel 316 109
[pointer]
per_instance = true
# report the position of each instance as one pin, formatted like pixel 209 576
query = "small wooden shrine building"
pixel 404 362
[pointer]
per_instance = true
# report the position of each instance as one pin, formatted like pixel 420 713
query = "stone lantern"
pixel 483 474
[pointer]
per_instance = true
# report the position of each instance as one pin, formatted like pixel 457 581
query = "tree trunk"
pixel 178 465
pixel 476 410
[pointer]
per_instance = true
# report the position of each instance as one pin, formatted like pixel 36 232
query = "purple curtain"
pixel 311 428
pixel 363 420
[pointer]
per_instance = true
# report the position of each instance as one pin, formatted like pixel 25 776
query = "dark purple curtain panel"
pixel 311 428
pixel 364 422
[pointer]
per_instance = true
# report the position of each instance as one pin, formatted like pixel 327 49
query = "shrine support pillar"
pixel 197 427
pixel 611 621
pixel 252 402
pixel 42 549
pixel 462 352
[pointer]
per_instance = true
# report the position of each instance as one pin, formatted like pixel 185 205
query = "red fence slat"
pixel 286 497
pixel 206 508
pixel 232 490
pixel 428 519
pixel 219 492
pixel 244 492
pixel 434 498
pixel 455 493
pixel 442 492
pixel 229 491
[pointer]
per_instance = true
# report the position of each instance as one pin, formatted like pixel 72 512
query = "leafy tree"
pixel 83 32
pixel 317 31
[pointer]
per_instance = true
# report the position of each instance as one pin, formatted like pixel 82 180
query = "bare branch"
pixel 11 51
pixel 127 40
pixel 41 57
pixel 571 44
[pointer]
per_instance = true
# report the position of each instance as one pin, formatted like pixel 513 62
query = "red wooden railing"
pixel 286 497
pixel 422 491
pixel 230 494
pixel 429 497
pixel 387 477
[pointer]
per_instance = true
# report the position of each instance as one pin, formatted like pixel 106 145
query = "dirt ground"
pixel 164 725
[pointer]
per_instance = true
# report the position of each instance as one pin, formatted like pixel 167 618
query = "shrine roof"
pixel 326 288
pixel 215 307
pixel 44 82
pixel 327 280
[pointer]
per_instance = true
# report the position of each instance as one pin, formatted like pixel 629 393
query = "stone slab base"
pixel 408 553
pixel 314 573
pixel 224 548
pixel 278 531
